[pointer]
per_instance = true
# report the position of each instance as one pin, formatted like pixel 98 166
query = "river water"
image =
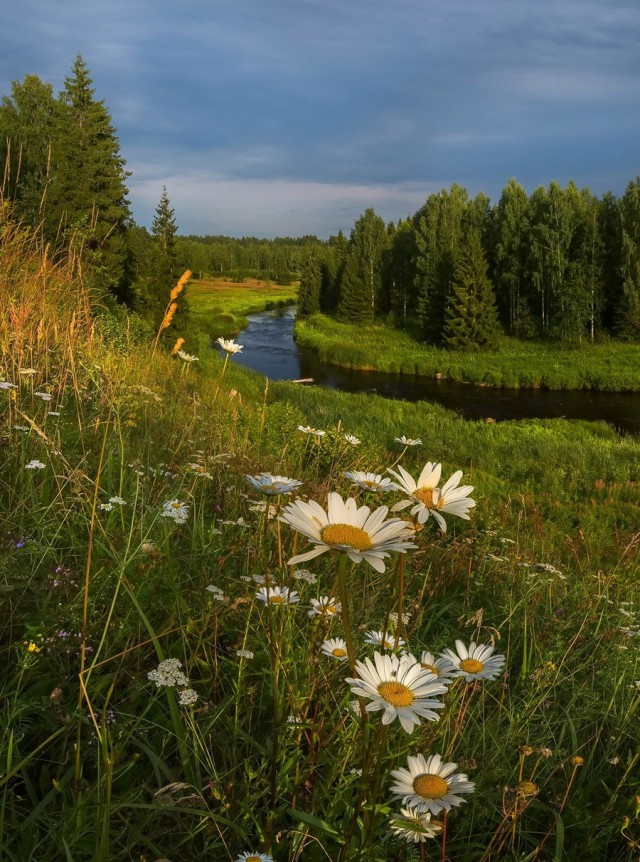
pixel 269 349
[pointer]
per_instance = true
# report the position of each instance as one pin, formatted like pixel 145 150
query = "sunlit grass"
pixel 220 306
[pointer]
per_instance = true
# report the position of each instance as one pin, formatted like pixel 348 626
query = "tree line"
pixel 558 264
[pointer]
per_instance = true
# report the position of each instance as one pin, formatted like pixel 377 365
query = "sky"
pixel 291 117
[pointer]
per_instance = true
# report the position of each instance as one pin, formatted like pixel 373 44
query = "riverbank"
pixel 613 367
pixel 219 306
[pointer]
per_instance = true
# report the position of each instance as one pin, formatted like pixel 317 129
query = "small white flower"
pixel 199 470
pixel 429 785
pixel 44 395
pixel 244 653
pixel 187 697
pixel 34 465
pixel 305 575
pixel 168 674
pixel 277 596
pixel 382 639
pixel 187 357
pixel 325 606
pixel 414 825
pixel 335 648
pixel 29 371
pixel 266 483
pixel 407 441
pixel 474 662
pixel 6 385
pixel 229 346
pixel 248 856
pixel 371 481
pixel 117 501
pixel 24 428
pixel 54 413
pixel 216 592
pixel 106 507
pixel 177 511
pixel 258 579
pixel 315 432
pixel 351 438
pixel 427 499
pixel 393 619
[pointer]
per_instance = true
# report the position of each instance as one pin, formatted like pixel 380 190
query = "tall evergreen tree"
pixel 628 310
pixel 310 285
pixel 471 320
pixel 332 268
pixel 361 281
pixel 87 200
pixel 162 262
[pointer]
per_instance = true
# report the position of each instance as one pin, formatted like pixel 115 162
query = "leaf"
pixel 314 822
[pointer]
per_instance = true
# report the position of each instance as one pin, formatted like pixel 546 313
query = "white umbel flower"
pixel 371 481
pixel 325 606
pixel 400 687
pixel 34 465
pixel 427 499
pixel 442 667
pixel 414 825
pixel 229 345
pixel 384 640
pixel 407 441
pixel 475 661
pixel 4 384
pixel 266 483
pixel 335 648
pixel 277 596
pixel 356 531
pixel 429 784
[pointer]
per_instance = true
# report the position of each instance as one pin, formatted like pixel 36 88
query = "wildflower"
pixel 31 646
pixel 244 653
pixel 247 856
pixel 187 357
pixel 312 431
pixel 264 507
pixel 442 668
pixel 527 788
pixel 6 385
pixel 576 760
pixel 371 481
pixel 335 648
pixel 305 575
pixel 429 784
pixel 199 470
pixel 229 346
pixel 258 579
pixel 277 596
pixel 545 752
pixel 177 511
pixel 266 483
pixel 427 499
pixel 34 465
pixel 351 438
pixel 382 639
pixel 527 750
pixel 29 371
pixel 187 697
pixel 476 662
pixel 117 501
pixel 407 441
pixel 398 686
pixel 168 674
pixel 216 592
pixel 54 413
pixel 106 507
pixel 345 527
pixel 393 619
pixel 325 606
pixel 414 825
pixel 44 395
pixel 24 428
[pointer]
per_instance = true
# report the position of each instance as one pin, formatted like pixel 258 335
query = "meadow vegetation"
pixel 156 708
pixel 220 306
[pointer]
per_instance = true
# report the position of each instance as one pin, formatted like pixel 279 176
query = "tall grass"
pixel 100 763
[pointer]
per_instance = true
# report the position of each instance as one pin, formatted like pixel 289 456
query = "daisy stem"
pixel 346 618
pixel 224 367
pixel 400 598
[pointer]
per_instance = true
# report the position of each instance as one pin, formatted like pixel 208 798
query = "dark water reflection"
pixel 269 349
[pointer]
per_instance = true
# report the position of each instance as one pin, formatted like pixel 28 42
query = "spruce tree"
pixel 162 262
pixel 361 281
pixel 309 290
pixel 471 318
pixel 87 201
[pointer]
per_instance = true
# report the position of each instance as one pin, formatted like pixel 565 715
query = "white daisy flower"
pixel 400 687
pixel 345 527
pixel 187 357
pixel 371 481
pixel 325 606
pixel 277 596
pixel 475 662
pixel 383 639
pixel 44 395
pixel 335 648
pixel 248 856
pixel 351 438
pixel 266 483
pixel 4 384
pixel 313 431
pixel 407 441
pixel 427 499
pixel 34 465
pixel 106 507
pixel 429 784
pixel 442 667
pixel 229 345
pixel 177 511
pixel 414 825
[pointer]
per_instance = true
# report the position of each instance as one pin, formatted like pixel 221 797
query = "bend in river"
pixel 269 349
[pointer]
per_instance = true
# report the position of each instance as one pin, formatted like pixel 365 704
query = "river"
pixel 269 349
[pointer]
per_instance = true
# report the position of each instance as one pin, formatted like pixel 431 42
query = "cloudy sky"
pixel 286 117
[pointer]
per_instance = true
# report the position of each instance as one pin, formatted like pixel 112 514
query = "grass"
pixel 220 306
pixel 612 367
pixel 100 763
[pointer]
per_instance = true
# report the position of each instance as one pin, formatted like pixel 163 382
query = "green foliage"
pixel 310 287
pixel 360 284
pixel 471 319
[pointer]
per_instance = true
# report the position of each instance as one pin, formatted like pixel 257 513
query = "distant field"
pixel 220 306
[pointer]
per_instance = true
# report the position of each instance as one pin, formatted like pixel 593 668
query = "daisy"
pixel 248 856
pixel 277 596
pixel 187 357
pixel 383 639
pixel 407 441
pixel 476 662
pixel 335 648
pixel 442 667
pixel 325 606
pixel 427 499
pixel 358 532
pixel 177 511
pixel 273 485
pixel 398 686
pixel 414 825
pixel 34 465
pixel 309 430
pixel 429 784
pixel 230 346
pixel 371 481
pixel 351 438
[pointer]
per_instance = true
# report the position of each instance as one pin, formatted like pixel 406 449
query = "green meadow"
pixel 220 306
pixel 130 537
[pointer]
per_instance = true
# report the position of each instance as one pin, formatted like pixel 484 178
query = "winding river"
pixel 269 349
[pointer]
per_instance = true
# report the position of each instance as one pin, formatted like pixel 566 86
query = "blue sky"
pixel 286 117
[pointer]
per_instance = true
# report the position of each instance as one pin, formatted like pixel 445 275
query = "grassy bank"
pixel 220 306
pixel 259 748
pixel 612 367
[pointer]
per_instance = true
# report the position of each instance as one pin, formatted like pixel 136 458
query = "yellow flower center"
pixel 527 788
pixel 430 786
pixel 369 483
pixel 426 496
pixel 346 534
pixel 338 653
pixel 277 600
pixel 396 693
pixel 176 505
pixel 329 609
pixel 252 859
pixel 471 665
